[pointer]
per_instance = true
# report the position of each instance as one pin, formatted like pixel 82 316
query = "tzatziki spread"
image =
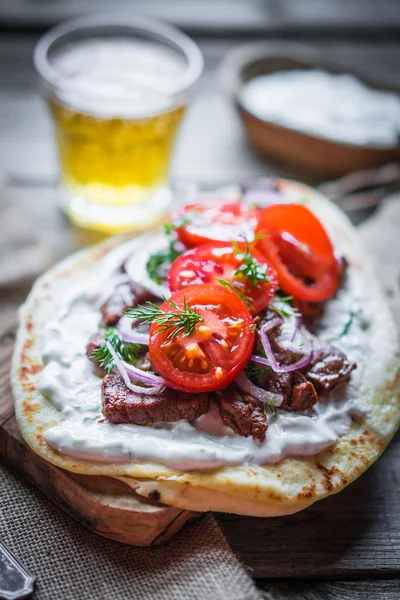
pixel 335 106
pixel 68 380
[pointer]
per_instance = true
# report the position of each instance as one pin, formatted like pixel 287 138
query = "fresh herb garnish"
pixel 256 372
pixel 229 286
pixel 124 350
pixel 170 227
pixel 346 327
pixel 348 324
pixel 183 321
pixel 271 408
pixel 250 268
pixel 159 263
pixel 282 305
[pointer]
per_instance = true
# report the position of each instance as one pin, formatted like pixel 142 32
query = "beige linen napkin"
pixel 69 561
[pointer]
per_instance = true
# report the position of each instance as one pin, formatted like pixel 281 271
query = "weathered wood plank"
pixel 7 338
pixel 353 534
pixel 106 506
pixel 333 590
pixel 357 532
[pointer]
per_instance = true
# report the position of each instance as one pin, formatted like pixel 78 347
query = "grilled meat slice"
pixel 120 405
pixel 329 366
pixel 93 343
pixel 303 394
pixel 297 392
pixel 243 413
pixel 125 295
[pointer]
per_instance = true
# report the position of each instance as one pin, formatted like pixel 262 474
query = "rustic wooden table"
pixel 346 546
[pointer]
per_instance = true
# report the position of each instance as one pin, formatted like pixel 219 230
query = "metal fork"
pixel 15 580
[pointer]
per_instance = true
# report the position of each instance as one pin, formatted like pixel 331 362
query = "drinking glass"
pixel 117 91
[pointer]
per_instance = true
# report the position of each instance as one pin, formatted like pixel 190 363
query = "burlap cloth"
pixel 72 563
pixel 69 561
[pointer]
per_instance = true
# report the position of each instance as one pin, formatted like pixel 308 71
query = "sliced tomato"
pixel 296 244
pixel 216 222
pixel 216 350
pixel 245 269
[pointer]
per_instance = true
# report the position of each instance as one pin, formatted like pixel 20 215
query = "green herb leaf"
pixel 183 321
pixel 271 408
pixel 229 286
pixel 256 372
pixel 169 228
pixel 346 327
pixel 159 263
pixel 250 268
pixel 282 305
pixel 125 350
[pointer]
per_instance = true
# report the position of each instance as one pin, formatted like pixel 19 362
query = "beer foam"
pixel 118 77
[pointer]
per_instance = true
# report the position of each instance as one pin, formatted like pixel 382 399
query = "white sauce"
pixel 338 107
pixel 136 266
pixel 68 381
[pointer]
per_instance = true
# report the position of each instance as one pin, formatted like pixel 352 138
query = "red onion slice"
pixel 289 333
pixel 297 321
pixel 136 268
pixel 129 335
pixel 143 376
pixel 272 323
pixel 253 390
pixel 260 359
pixel 272 360
pixel 122 368
pixel 116 281
pixel 156 382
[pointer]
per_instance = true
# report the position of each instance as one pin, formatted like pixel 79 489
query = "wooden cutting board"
pixel 104 505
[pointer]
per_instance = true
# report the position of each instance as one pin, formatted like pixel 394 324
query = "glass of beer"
pixel 117 91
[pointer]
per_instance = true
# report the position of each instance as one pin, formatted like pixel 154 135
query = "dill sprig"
pixel 229 286
pixel 256 372
pixel 159 263
pixel 183 321
pixel 346 326
pixel 124 350
pixel 271 408
pixel 250 268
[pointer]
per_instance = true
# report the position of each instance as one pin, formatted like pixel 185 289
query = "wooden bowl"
pixel 302 153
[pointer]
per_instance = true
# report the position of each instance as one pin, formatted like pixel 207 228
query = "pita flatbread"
pixel 267 490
